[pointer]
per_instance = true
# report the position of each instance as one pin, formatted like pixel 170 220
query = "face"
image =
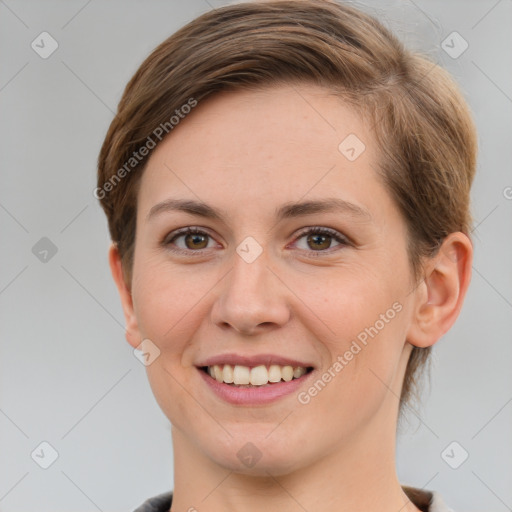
pixel 324 288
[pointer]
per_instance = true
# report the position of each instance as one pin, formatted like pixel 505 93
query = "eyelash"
pixel 315 230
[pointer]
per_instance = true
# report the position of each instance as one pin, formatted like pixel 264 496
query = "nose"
pixel 252 298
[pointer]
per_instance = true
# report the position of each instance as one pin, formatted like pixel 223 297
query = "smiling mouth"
pixel 255 376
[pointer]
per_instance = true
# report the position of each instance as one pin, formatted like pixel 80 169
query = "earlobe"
pixel 116 268
pixel 440 296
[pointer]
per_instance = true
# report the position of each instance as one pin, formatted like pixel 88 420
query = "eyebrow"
pixel 286 211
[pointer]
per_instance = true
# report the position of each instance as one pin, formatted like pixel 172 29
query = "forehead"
pixel 256 147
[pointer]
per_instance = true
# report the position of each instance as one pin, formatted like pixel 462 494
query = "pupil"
pixel 196 238
pixel 316 237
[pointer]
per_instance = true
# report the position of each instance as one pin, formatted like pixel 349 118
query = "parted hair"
pixel 418 115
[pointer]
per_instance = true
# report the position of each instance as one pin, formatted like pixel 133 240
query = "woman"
pixel 289 254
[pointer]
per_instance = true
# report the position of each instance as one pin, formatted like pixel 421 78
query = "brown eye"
pixel 320 240
pixel 196 241
pixel 188 240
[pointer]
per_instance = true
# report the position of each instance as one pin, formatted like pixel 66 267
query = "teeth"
pixel 255 376
pixel 274 373
pixel 217 371
pixel 229 376
pixel 287 373
pixel 259 376
pixel 241 375
pixel 298 371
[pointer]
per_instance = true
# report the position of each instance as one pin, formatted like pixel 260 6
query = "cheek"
pixel 168 303
pixel 347 302
pixel 360 322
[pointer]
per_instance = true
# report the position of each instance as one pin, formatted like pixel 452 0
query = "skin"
pixel 247 153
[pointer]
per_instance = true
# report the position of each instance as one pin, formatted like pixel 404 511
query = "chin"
pixel 258 456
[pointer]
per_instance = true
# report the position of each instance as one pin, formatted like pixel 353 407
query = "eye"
pixel 194 239
pixel 320 239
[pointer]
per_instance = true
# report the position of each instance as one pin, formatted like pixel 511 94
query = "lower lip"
pixel 256 395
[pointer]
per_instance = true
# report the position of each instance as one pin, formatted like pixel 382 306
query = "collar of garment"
pixel 426 501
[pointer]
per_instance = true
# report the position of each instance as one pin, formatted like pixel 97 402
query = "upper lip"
pixel 254 360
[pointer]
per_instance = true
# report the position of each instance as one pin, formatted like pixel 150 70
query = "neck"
pixel 357 475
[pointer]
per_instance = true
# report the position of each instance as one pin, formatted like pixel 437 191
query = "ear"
pixel 132 329
pixel 439 297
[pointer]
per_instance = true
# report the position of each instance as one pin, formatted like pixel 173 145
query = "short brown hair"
pixel 421 122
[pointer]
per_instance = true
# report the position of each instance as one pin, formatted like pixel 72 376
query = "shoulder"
pixel 160 503
pixel 426 501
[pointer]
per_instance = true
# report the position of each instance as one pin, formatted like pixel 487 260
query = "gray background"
pixel 67 375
